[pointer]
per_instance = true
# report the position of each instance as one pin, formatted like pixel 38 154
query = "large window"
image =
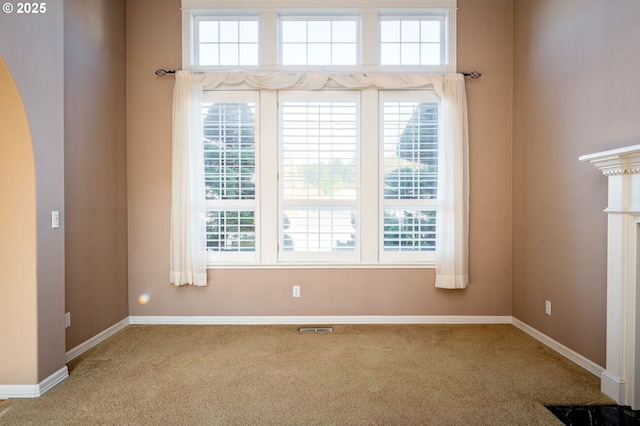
pixel 317 172
pixel 325 202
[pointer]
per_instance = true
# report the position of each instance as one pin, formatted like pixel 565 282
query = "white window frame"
pixel 242 257
pixel 315 256
pixel 269 209
pixel 387 256
pixel 418 16
pixel 199 18
pixel 292 16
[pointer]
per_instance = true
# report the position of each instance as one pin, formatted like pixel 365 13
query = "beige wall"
pixel 576 92
pixel 95 166
pixel 485 43
pixel 18 259
pixel 32 47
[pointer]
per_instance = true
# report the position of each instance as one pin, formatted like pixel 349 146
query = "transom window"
pixel 411 41
pixel 307 37
pixel 319 41
pixel 227 41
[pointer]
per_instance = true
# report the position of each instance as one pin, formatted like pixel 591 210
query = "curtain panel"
pixel 188 215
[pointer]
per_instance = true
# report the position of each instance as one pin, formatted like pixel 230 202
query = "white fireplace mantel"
pixel 621 378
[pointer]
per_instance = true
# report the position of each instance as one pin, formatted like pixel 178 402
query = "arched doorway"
pixel 18 256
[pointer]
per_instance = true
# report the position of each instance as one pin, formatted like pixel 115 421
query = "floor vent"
pixel 314 329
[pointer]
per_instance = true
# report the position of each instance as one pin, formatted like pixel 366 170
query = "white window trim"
pixel 313 4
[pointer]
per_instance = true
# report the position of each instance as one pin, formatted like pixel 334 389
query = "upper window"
pixel 363 39
pixel 411 41
pixel 318 41
pixel 228 41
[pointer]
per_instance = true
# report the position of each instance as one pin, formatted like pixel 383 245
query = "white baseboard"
pixel 85 346
pixel 614 387
pixel 583 362
pixel 305 320
pixel 34 391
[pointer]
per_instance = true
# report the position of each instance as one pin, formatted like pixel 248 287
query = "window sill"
pixel 324 265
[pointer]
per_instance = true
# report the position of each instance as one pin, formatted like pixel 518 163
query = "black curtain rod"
pixel 473 74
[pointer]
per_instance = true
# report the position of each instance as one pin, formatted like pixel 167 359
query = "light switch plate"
pixel 55 219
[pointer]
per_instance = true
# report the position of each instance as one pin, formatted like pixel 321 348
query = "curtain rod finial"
pixel 473 74
pixel 162 72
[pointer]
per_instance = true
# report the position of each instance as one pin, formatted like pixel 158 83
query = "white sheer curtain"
pixel 188 215
pixel 452 265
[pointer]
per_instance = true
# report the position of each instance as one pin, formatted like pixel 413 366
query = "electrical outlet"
pixel 67 320
pixel 547 307
pixel 296 291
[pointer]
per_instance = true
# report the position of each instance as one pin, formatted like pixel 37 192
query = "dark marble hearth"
pixel 596 415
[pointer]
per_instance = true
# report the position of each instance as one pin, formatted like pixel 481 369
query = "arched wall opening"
pixel 18 243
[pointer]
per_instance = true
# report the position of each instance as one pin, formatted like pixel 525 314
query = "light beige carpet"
pixel 274 375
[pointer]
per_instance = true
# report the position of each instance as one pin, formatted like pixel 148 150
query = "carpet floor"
pixel 275 375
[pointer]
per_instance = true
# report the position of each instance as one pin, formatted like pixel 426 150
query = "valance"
pixel 314 80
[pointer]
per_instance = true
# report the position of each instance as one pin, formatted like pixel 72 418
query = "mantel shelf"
pixel 618 161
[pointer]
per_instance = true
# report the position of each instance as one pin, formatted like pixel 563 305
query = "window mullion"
pixel 268 38
pixel 369 160
pixel 268 155
pixel 370 38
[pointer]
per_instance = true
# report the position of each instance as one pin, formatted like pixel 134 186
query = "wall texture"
pixel 576 92
pixel 95 166
pixel 485 43
pixel 32 48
